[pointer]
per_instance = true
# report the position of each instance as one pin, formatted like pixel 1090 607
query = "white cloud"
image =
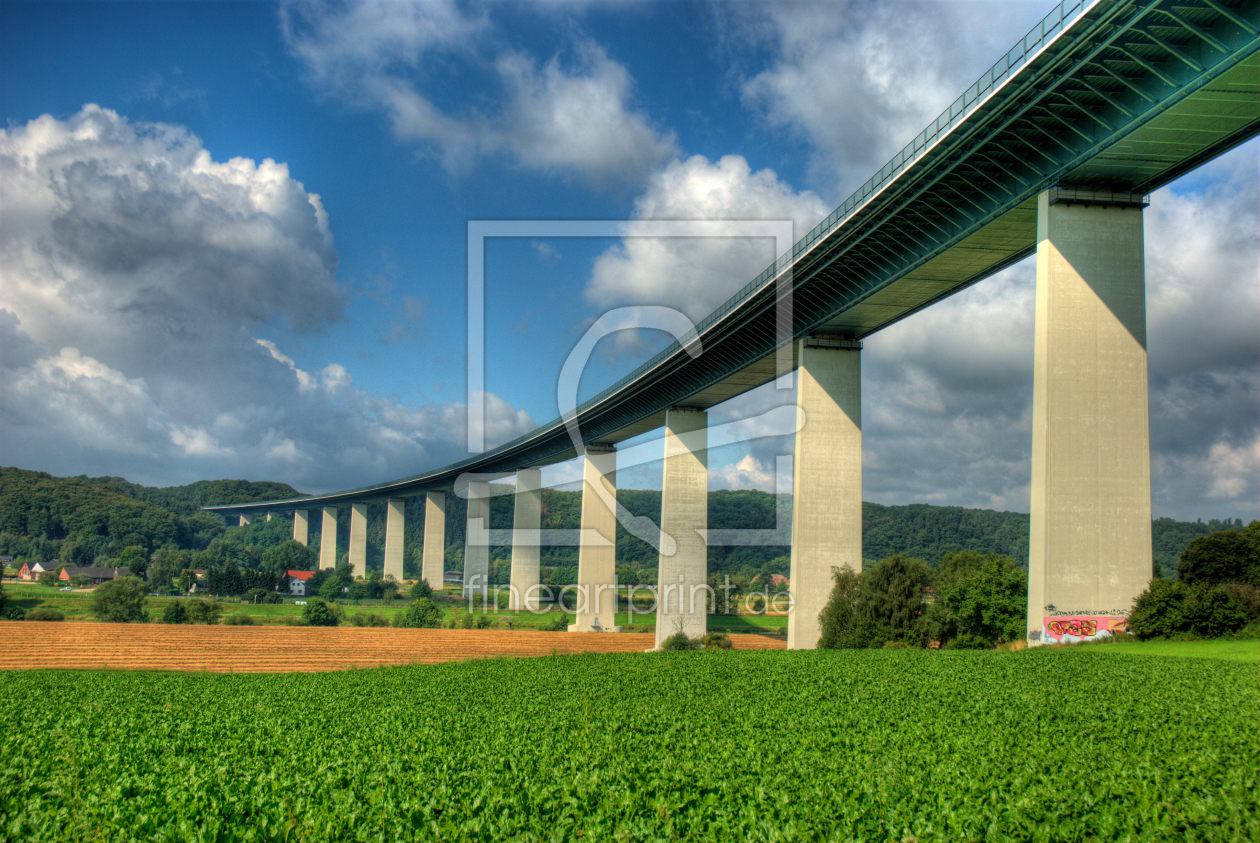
pixel 859 80
pixel 572 117
pixel 138 276
pixel 696 274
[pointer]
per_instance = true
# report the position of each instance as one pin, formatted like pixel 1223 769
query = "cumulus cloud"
pixel 567 117
pixel 696 274
pixel 149 294
pixel 859 80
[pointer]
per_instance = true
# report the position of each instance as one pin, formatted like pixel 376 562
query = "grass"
pixel 1222 649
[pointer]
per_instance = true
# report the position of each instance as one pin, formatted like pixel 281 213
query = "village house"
pixel 30 571
pixel 95 576
pixel 298 583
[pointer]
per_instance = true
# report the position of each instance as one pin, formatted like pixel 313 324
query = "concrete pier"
pixel 328 539
pixel 476 540
pixel 526 522
pixel 245 520
pixel 1090 532
pixel 682 591
pixel 597 554
pixel 301 526
pixel 433 558
pixel 395 521
pixel 826 478
pixel 358 539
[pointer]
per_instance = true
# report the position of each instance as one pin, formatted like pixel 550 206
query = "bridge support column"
pixel 683 577
pixel 245 520
pixel 526 522
pixel 826 479
pixel 328 539
pixel 301 526
pixel 597 553
pixel 433 559
pixel 358 539
pixel 395 521
pixel 477 541
pixel 1089 549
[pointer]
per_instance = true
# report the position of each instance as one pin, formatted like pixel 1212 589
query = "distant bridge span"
pixel 1101 103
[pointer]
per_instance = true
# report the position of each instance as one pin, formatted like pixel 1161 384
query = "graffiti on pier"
pixel 1083 628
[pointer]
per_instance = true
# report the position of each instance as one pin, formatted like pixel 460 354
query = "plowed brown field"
pixel 280 649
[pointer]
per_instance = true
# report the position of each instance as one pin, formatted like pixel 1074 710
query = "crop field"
pixel 252 649
pixel 1063 744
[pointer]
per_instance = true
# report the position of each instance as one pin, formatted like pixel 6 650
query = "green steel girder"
pixel 1125 95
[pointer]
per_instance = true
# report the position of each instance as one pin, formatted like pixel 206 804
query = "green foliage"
pixel 715 641
pixel 203 611
pixel 836 619
pixel 262 596
pixel 559 624
pixel 135 558
pixel 990 604
pixel 120 600
pixel 318 613
pixel 421 590
pixel 15 613
pixel 44 613
pixel 483 621
pixel 175 612
pixel 1220 557
pixel 422 614
pixel 1169 608
pixel 680 641
pixel 368 619
pixel 239 619
pixel 1166 750
pixel 289 556
pixel 4 597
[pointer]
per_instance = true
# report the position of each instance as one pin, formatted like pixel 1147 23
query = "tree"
pixel 1224 556
pixel 136 559
pixel 120 600
pixel 204 611
pixel 4 597
pixel 835 621
pixel 422 614
pixel 889 600
pixel 319 613
pixel 174 613
pixel 80 580
pixel 1169 608
pixel 290 556
pixel 991 603
pixel 331 589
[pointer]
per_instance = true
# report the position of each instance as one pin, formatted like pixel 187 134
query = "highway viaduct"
pixel 1053 152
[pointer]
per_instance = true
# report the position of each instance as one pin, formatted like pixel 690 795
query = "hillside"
pixel 99 516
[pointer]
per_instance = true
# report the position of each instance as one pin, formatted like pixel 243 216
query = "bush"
pixel 483 621
pixel 1171 609
pixel 319 613
pixel 203 612
pixel 44 613
pixel 897 645
pixel 968 641
pixel 466 621
pixel 239 619
pixel 368 619
pixel 715 641
pixel 174 613
pixel 1225 556
pixel 421 614
pixel 15 613
pixel 120 600
pixel 1246 598
pixel 421 590
pixel 680 641
pixel 560 624
pixel 262 595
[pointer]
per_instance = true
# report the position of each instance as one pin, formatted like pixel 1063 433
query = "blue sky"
pixel 234 236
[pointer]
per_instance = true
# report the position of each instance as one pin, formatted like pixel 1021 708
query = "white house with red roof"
pixel 298 583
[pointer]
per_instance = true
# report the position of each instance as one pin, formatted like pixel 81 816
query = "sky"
pixel 233 239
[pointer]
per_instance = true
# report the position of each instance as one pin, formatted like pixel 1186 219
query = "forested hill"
pixel 96 517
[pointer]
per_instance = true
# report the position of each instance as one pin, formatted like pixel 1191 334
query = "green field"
pixel 1224 649
pixel 1082 743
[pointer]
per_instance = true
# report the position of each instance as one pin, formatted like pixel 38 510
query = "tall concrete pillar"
pixel 358 539
pixel 433 559
pixel 301 526
pixel 268 516
pixel 245 519
pixel 328 539
pixel 1089 552
pixel 526 522
pixel 826 478
pixel 682 590
pixel 395 521
pixel 597 553
pixel 476 540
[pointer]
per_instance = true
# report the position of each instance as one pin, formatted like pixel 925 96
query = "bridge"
pixel 1053 151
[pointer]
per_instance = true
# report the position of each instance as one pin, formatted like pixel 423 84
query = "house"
pixel 200 580
pixel 95 576
pixel 31 570
pixel 298 581
pixel 777 580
